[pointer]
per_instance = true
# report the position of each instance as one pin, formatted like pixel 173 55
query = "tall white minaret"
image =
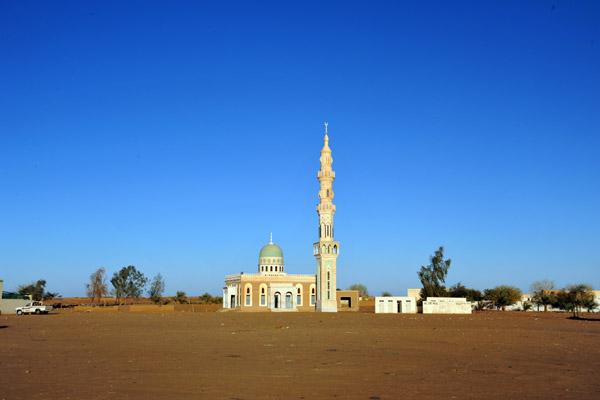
pixel 326 250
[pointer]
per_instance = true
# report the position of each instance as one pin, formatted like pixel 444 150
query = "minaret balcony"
pixel 326 248
pixel 326 206
pixel 326 174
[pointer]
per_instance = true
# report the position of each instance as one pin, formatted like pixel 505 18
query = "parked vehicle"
pixel 35 307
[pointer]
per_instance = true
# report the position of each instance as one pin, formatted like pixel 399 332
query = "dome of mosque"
pixel 271 250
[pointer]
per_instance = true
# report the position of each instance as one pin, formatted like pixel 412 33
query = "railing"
pixel 234 276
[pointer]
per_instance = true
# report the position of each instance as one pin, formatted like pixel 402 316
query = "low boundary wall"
pixel 148 308
pixel 7 306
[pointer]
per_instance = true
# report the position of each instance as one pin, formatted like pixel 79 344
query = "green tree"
pixel 181 297
pixel 386 294
pixel 97 286
pixel 590 304
pixel 37 291
pixel 527 306
pixel 543 293
pixel 580 295
pixel 460 290
pixel 503 295
pixel 128 283
pixel 157 287
pixel 362 289
pixel 563 301
pixel 433 277
pixel 206 298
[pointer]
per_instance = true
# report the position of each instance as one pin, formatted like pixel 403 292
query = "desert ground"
pixel 233 355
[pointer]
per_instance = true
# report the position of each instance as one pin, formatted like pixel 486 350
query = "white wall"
pixel 446 305
pixel 7 306
pixel 389 305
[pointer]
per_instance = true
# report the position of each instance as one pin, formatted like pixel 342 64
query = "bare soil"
pixel 232 355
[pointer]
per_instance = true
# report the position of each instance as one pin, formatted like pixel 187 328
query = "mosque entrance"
pixel 288 300
pixel 232 301
pixel 399 307
pixel 277 300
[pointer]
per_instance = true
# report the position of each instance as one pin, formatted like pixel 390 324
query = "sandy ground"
pixel 231 355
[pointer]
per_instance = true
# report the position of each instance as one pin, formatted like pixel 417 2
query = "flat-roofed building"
pixel 396 305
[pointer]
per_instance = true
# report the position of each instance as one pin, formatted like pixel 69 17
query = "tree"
pixel 36 291
pixel 157 287
pixel 362 289
pixel 580 295
pixel 459 290
pixel 562 300
pixel 433 277
pixel 181 297
pixel 206 298
pixel 527 306
pixel 590 304
pixel 503 295
pixel 386 294
pixel 543 293
pixel 97 286
pixel 128 282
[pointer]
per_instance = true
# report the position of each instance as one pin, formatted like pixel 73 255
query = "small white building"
pixel 396 305
pixel 446 305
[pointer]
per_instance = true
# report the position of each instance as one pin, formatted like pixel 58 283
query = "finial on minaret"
pixel 326 123
pixel 271 238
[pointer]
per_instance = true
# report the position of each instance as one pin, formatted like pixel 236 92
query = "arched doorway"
pixel 277 300
pixel 288 300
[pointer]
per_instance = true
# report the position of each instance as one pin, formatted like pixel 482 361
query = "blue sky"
pixel 175 136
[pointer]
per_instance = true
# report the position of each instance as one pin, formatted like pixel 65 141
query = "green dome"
pixel 271 250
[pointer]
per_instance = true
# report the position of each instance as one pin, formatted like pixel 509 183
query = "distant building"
pixel 396 305
pixel 273 289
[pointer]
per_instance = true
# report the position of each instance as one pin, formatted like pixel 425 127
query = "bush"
pixel 503 295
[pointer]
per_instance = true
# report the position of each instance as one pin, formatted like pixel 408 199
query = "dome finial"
pixel 326 123
pixel 271 238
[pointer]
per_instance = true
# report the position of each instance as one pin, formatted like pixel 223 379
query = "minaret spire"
pixel 326 249
pixel 271 242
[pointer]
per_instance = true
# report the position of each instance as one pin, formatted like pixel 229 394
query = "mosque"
pixel 272 289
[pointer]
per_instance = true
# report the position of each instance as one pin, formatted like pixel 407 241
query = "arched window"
pixel 248 294
pixel 335 249
pixel 299 294
pixel 276 268
pixel 263 297
pixel 271 268
pixel 313 297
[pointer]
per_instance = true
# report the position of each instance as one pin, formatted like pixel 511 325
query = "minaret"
pixel 326 250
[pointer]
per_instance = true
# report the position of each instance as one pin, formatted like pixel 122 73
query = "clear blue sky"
pixel 175 136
